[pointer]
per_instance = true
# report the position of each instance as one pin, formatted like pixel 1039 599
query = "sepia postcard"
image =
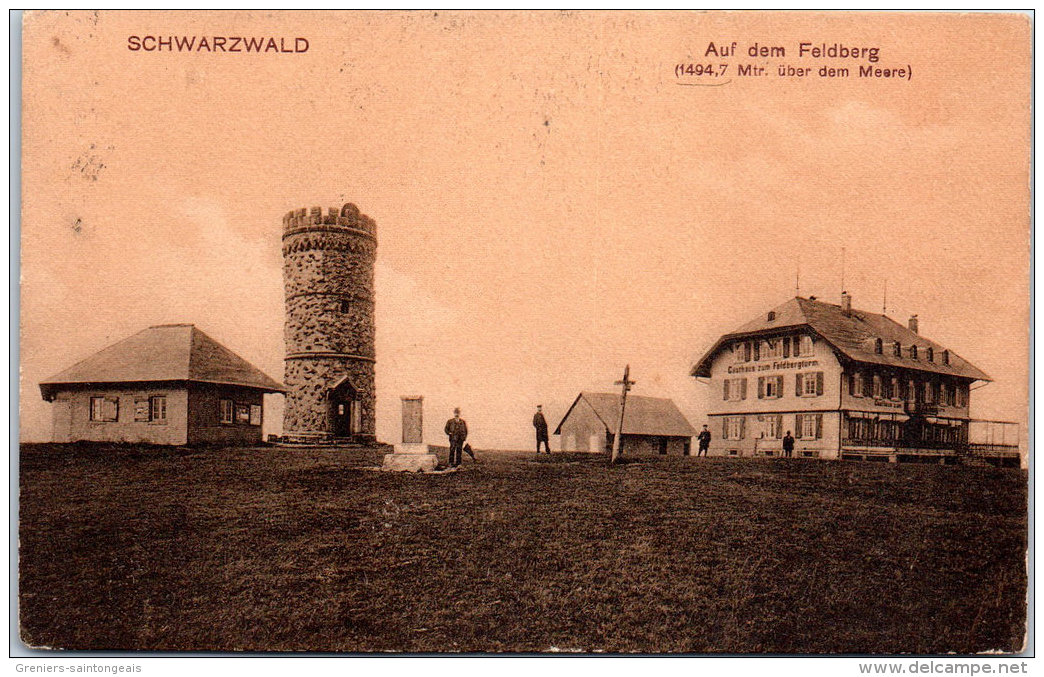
pixel 631 332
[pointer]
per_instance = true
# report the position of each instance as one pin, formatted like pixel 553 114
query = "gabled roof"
pixel 643 416
pixel 166 352
pixel 853 336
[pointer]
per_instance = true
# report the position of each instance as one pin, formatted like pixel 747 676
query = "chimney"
pixel 913 324
pixel 846 303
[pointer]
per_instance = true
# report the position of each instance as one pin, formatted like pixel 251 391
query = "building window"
pixel 255 414
pixel 227 411
pixel 858 429
pixel 243 414
pixel 892 388
pixel 742 351
pixel 808 384
pixel 105 409
pixel 733 427
pixel 867 383
pixel 808 426
pixel 803 346
pixel 960 395
pixel 929 392
pixel 344 306
pixel 929 354
pixel 946 357
pixel 142 410
pixel 911 391
pixel 158 408
pixel 771 315
pixel 773 425
pixel 878 346
pixel 855 384
pixel 913 352
pixel 734 389
pixel 897 349
pixel 877 386
pixel 772 348
pixel 770 387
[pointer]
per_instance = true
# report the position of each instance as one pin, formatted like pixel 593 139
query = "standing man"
pixel 541 429
pixel 704 438
pixel 457 430
pixel 788 445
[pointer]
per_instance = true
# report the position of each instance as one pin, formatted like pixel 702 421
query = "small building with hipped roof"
pixel 652 425
pixel 168 384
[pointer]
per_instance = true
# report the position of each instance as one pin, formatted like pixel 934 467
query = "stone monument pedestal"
pixel 411 458
pixel 412 455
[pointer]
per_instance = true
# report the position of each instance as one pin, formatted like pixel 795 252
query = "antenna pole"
pixel 797 279
pixel 884 303
pixel 842 269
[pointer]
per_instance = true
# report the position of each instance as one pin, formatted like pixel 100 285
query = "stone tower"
pixel 328 264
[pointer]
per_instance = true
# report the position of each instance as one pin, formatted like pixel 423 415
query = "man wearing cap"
pixel 541 429
pixel 457 430
pixel 704 439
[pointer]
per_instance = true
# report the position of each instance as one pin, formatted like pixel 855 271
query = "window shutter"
pixel 761 387
pixel 725 389
pixel 819 426
pixel 819 383
pixel 786 346
pixel 743 426
pixel 797 426
pixel 797 385
pixel 746 351
pixel 779 386
pixel 779 426
pixel 724 427
pixel 743 389
pixel 757 350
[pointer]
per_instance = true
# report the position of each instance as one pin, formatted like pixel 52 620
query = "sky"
pixel 551 205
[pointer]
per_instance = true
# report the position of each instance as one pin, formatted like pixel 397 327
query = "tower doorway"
pixel 345 410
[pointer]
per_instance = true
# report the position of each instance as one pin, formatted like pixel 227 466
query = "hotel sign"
pixel 772 366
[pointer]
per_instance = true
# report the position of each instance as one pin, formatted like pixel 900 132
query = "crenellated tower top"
pixel 347 216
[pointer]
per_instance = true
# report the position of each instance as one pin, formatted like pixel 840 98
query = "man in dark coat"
pixel 788 445
pixel 457 430
pixel 704 437
pixel 541 429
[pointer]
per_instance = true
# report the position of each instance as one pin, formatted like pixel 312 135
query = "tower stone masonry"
pixel 328 273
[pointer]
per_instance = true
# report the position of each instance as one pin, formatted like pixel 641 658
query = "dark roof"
pixel 166 352
pixel 643 416
pixel 853 336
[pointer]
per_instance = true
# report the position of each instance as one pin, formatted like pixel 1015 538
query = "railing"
pixel 981 448
pixel 906 444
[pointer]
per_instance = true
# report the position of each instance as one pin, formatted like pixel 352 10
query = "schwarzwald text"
pixel 216 43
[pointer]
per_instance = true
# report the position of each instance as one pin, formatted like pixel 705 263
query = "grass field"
pixel 275 549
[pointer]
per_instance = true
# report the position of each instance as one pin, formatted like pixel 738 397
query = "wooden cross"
pixel 625 384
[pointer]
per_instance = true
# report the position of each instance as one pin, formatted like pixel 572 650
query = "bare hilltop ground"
pixel 125 547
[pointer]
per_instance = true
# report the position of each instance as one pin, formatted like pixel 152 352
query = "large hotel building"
pixel 847 384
